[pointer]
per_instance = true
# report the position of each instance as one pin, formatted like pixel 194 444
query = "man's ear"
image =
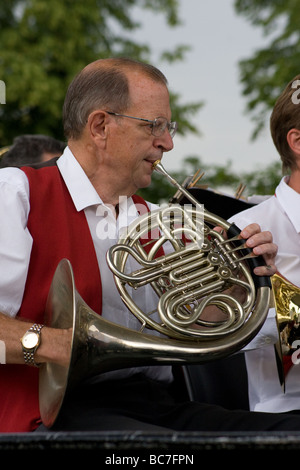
pixel 293 139
pixel 97 124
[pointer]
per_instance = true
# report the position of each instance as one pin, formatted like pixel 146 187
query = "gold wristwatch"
pixel 30 342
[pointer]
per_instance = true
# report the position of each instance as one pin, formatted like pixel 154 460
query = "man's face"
pixel 132 147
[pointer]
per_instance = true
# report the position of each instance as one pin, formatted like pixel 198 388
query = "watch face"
pixel 30 340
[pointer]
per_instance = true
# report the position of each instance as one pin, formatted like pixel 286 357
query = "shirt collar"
pixel 289 199
pixel 79 186
pixel 83 192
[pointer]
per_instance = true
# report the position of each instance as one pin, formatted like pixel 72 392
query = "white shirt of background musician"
pixel 280 215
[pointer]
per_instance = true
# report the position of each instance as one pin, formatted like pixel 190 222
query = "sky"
pixel 219 39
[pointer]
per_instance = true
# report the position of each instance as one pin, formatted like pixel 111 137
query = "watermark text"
pixel 2 352
pixel 2 92
pixel 172 221
pixel 295 95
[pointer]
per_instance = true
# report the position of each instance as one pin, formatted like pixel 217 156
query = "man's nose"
pixel 165 141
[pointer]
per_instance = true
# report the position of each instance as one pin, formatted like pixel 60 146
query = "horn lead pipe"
pixel 157 165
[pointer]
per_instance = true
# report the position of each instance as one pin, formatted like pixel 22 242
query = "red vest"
pixel 58 231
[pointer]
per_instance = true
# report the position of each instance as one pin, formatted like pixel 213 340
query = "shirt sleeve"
pixel 15 239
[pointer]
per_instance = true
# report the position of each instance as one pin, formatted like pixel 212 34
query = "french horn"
pixel 287 307
pixel 191 267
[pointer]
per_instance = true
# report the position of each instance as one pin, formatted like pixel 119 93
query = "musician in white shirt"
pixel 279 214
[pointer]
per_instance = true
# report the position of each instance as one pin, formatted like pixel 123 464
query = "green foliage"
pixel 263 181
pixel 45 43
pixel 218 178
pixel 267 72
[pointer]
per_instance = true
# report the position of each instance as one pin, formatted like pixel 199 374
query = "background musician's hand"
pixel 261 244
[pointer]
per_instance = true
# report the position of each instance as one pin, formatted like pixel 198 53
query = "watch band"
pixel 29 353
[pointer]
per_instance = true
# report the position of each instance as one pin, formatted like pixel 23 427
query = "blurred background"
pixel 226 62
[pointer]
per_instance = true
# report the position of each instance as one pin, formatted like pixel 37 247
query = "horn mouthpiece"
pixel 155 164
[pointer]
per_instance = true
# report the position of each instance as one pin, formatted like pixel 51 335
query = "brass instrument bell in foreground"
pixel 287 306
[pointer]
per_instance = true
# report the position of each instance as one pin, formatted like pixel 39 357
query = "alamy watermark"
pixel 2 92
pixel 295 95
pixel 173 221
pixel 2 352
pixel 295 355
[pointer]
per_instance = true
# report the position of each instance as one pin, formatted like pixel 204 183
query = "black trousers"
pixel 141 404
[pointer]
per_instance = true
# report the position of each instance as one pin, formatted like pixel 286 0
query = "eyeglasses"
pixel 158 126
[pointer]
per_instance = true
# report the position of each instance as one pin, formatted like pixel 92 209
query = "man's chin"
pixel 145 185
pixel 145 181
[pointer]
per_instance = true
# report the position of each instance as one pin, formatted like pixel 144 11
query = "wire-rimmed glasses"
pixel 158 125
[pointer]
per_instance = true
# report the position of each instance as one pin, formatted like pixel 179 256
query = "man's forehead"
pixel 143 88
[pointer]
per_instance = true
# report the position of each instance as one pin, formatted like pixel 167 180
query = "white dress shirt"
pixel 16 243
pixel 280 215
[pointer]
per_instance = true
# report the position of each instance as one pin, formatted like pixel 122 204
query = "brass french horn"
pixel 287 307
pixel 190 266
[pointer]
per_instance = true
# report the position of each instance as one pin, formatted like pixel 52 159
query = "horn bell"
pixel 287 306
pixel 99 345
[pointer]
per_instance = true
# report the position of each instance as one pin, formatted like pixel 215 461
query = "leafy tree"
pixel 218 178
pixel 267 72
pixel 263 181
pixel 45 43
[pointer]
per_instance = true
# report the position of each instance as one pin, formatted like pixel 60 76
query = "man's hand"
pixel 261 244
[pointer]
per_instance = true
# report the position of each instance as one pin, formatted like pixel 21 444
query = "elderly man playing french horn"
pixel 117 120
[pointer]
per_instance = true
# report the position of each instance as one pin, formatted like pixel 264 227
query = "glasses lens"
pixel 172 128
pixel 160 124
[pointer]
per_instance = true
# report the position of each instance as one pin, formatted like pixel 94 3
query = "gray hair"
pixel 101 84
